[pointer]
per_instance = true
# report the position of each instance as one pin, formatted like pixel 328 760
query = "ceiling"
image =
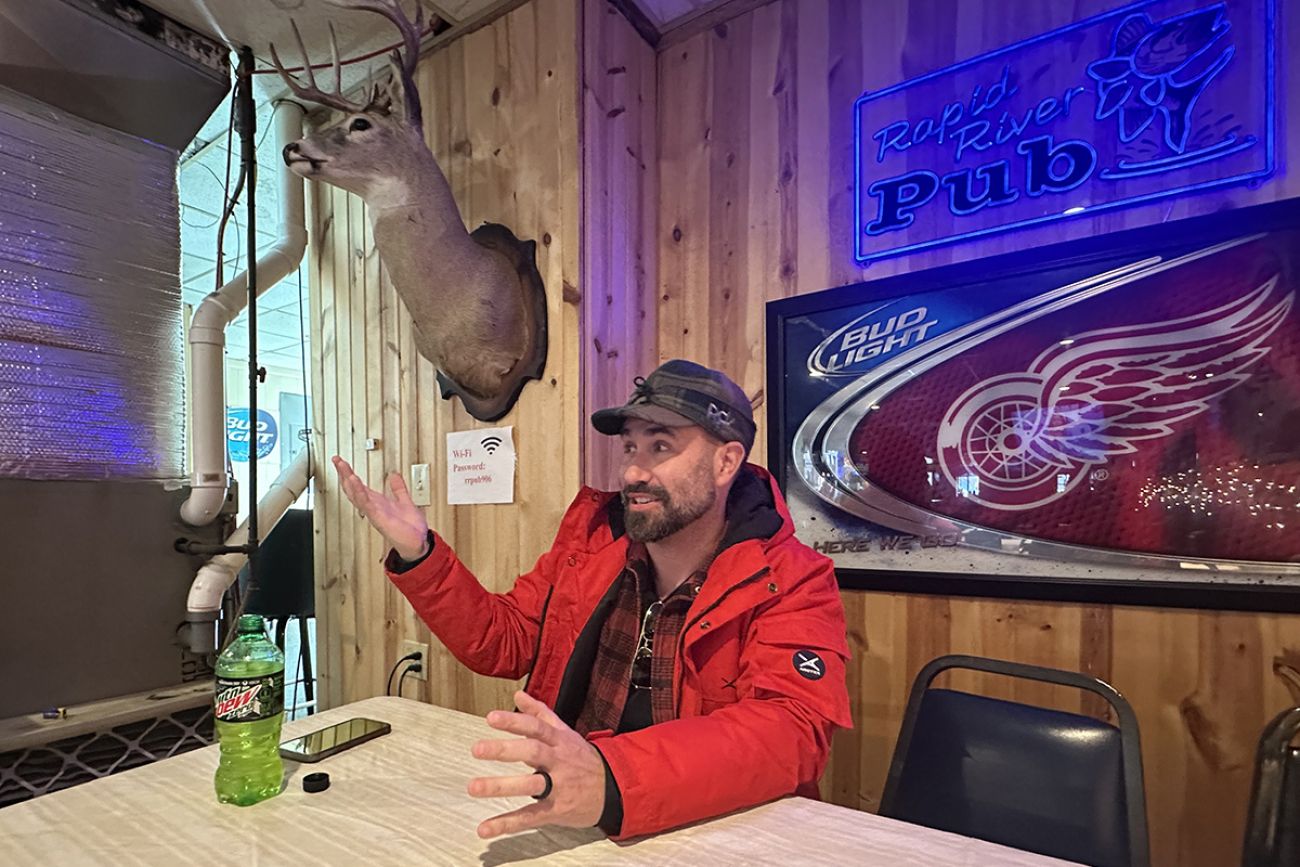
pixel 666 14
pixel 258 23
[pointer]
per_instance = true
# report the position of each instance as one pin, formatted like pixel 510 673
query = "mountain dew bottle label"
pixel 249 699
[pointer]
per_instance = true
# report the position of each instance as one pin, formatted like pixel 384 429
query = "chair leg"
pixel 304 651
pixel 1264 816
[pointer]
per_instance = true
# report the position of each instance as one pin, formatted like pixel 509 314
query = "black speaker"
pixel 285 585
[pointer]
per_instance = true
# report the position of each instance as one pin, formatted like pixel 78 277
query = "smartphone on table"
pixel 323 743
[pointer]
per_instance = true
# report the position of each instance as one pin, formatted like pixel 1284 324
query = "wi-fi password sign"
pixel 481 466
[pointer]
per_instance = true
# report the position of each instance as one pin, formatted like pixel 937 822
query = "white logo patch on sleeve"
pixel 809 664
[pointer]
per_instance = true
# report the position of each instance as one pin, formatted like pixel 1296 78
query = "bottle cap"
pixel 317 782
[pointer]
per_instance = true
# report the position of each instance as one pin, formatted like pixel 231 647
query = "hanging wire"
pixel 215 219
pixel 227 200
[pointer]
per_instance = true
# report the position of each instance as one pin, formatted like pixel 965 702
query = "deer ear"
pixel 380 100
pixel 394 90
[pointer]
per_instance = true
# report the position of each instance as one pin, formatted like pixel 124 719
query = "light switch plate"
pixel 420 489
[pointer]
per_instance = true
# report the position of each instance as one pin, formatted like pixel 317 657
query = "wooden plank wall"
pixel 500 110
pixel 755 162
pixel 722 183
pixel 619 192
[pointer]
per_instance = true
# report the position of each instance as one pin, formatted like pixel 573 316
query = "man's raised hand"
pixel 393 514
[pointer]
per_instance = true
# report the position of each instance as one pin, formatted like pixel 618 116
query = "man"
pixel 684 652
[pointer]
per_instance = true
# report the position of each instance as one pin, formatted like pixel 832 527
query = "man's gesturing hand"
pixel 400 521
pixel 577 771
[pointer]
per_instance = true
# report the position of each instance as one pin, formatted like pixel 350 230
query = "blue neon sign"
pixel 1154 99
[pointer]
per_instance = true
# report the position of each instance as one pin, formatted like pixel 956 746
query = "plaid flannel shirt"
pixel 634 623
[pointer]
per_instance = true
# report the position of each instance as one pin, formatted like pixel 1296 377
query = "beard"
pixel 696 497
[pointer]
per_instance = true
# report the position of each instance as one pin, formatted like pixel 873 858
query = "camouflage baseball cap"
pixel 680 393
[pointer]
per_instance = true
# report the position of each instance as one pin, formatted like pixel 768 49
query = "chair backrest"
pixel 1042 780
pixel 1273 820
pixel 285 571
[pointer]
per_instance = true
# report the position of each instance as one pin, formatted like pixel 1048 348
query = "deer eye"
pixel 359 124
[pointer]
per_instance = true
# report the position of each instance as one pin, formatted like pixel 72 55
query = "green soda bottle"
pixel 248 711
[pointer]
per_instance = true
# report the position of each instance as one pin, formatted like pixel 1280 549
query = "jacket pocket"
pixel 714 669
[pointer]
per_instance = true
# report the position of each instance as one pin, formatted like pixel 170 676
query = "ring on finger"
pixel 550 784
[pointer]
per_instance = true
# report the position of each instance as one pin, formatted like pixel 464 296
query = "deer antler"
pixel 310 91
pixel 404 61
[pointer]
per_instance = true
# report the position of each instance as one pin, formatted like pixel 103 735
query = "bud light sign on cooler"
pixel 248 709
pixel 238 433
pixel 1118 411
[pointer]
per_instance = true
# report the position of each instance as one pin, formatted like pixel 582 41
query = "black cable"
pixel 223 184
pixel 297 676
pixel 232 198
pixel 228 203
pixel 414 655
pixel 270 125
pixel 401 680
pixel 229 214
pixel 226 217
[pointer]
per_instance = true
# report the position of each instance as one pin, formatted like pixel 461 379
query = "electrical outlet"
pixel 420 493
pixel 423 650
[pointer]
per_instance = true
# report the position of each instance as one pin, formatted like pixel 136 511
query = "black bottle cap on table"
pixel 317 782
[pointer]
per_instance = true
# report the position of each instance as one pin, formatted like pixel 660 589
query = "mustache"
pixel 644 488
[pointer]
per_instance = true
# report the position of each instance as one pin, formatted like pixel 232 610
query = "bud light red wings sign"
pixel 1154 99
pixel 1120 415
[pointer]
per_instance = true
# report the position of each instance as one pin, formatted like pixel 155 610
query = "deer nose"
pixel 289 150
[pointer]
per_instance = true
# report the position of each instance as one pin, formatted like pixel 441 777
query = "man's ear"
pixel 728 460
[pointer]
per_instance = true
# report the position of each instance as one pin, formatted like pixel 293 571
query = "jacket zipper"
pixel 681 638
pixel 537 648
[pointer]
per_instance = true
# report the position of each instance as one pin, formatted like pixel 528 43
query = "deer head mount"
pixel 476 300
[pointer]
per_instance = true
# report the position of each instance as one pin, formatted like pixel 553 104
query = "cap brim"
pixel 610 421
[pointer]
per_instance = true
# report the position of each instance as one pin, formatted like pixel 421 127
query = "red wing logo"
pixel 1018 441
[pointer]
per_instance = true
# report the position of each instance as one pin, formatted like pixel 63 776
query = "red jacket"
pixel 756 708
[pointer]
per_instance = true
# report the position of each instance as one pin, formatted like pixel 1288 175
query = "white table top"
pixel 401 799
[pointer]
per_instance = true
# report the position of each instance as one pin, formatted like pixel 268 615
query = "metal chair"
pixel 286 589
pixel 1041 780
pixel 1273 820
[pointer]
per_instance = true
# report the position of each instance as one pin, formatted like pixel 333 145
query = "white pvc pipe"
pixel 220 572
pixel 208 478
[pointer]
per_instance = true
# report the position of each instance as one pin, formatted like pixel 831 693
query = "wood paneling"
pixel 500 109
pixel 619 191
pixel 756 167
pixel 752 153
